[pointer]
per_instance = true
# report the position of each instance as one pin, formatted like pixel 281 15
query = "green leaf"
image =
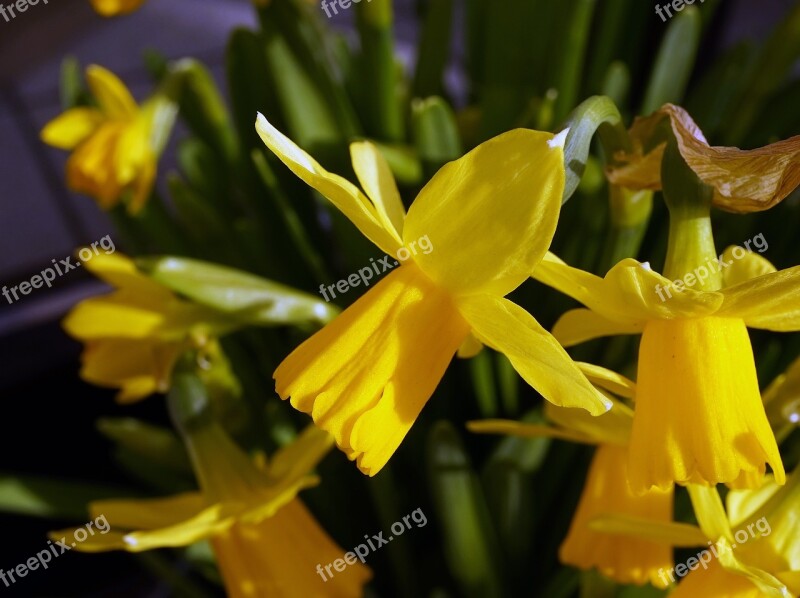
pixel 434 49
pixel 247 296
pixel 470 543
pixel 674 63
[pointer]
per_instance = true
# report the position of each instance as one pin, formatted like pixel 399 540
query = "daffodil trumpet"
pixel 491 215
pixel 699 416
pixel 606 491
pixel 266 542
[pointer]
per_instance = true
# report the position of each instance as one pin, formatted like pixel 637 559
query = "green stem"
pixel 691 240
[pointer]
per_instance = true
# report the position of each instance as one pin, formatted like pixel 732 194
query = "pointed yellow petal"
pixel 612 427
pixel 91 169
pixel 341 192
pixel 581 325
pixel 624 559
pixel 679 535
pixel 138 368
pixel 699 416
pixel 491 214
pixel 301 456
pixel 630 293
pixel 534 353
pixel 366 376
pixel 112 96
pixel 770 302
pixel 710 512
pixel 608 380
pixel 742 504
pixel 515 428
pixel 376 179
pixel 205 524
pixel 148 513
pixel 744 265
pixel 70 128
pixel 120 271
pixel 279 557
pixel 714 580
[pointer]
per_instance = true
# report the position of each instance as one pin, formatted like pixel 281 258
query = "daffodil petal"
pixel 376 179
pixel 534 353
pixel 608 380
pixel 524 430
pixel 743 267
pixel 470 347
pixel 742 504
pixel 581 325
pixel 201 526
pixel 490 215
pixel 112 316
pixel 770 302
pixel 112 96
pixel 767 584
pixel 70 128
pixel 681 535
pixel 299 457
pixel 366 376
pixel 341 192
pixel 148 513
pixel 630 293
pixel 612 427
pixel 709 511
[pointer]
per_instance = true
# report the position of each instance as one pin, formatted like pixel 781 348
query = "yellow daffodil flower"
pixel 699 415
pixel 606 492
pixel 114 146
pixel 488 216
pixel 115 8
pixel 265 540
pixel 750 551
pixel 134 335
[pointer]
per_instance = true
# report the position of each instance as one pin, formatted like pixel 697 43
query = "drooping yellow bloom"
pixel 266 542
pixel 115 8
pixel 699 416
pixel 606 492
pixel 134 335
pixel 114 146
pixel 751 551
pixel 488 217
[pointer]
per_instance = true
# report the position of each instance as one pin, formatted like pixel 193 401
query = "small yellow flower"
pixel 752 550
pixel 115 8
pixel 489 217
pixel 606 492
pixel 134 335
pixel 114 146
pixel 699 416
pixel 266 542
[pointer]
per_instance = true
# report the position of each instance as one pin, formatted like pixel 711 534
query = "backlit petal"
pixel 744 265
pixel 581 325
pixel 341 192
pixel 770 302
pixel 491 214
pixel 376 179
pixel 534 353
